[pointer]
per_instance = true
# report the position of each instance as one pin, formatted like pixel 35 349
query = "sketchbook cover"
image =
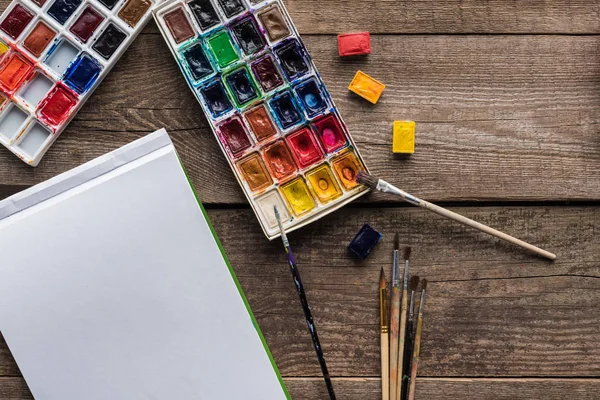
pixel 114 286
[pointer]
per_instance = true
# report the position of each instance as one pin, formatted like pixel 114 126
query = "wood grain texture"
pixel 442 16
pixel 14 388
pixel 498 117
pixel 492 309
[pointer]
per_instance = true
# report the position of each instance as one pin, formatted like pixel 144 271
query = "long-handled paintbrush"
pixel 305 306
pixel 379 184
pixel 409 341
pixel 402 332
pixel 395 322
pixel 417 350
pixel 385 339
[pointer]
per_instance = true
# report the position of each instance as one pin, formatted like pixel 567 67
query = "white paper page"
pixel 116 290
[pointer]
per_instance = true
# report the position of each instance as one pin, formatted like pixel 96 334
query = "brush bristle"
pixel 382 283
pixel 414 283
pixel 397 242
pixel 367 180
pixel 424 284
pixel 406 252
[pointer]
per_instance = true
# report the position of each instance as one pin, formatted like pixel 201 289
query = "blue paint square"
pixel 216 98
pixel 61 10
pixel 286 110
pixel 364 242
pixel 82 74
pixel 311 97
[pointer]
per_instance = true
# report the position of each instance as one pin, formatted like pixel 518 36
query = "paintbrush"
pixel 402 332
pixel 417 350
pixel 305 305
pixel 409 341
pixel 395 321
pixel 379 184
pixel 385 339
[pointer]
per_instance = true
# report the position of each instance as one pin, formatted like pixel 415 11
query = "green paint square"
pixel 222 48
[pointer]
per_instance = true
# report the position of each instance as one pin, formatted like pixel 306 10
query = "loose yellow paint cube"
pixel 404 137
pixel 366 87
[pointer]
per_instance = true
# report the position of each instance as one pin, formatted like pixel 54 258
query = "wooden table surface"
pixel 506 96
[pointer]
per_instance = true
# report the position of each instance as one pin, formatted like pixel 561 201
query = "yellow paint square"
pixel 323 183
pixel 366 87
pixel 3 48
pixel 404 137
pixel 297 195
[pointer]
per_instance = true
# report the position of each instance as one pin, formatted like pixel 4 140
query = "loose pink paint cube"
pixel 354 44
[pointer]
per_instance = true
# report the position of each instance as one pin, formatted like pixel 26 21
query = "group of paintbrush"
pixel 400 339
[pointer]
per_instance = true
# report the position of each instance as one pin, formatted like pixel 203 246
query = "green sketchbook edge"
pixel 237 283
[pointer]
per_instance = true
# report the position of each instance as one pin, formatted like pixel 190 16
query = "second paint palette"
pixel 267 105
pixel 53 54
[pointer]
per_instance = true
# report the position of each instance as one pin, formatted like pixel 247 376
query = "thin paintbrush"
pixel 305 306
pixel 385 338
pixel 402 332
pixel 395 321
pixel 381 185
pixel 409 340
pixel 417 350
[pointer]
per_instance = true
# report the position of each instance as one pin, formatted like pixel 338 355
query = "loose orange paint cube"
pixel 366 87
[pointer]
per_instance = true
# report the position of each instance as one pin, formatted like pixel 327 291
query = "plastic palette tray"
pixel 267 105
pixel 53 55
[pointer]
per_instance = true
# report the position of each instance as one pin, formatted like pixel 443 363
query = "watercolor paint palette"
pixel 53 55
pixel 267 105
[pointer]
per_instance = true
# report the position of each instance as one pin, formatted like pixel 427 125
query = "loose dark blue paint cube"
pixel 364 242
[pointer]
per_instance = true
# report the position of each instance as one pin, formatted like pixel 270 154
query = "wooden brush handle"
pixel 401 334
pixel 415 365
pixel 484 228
pixel 385 366
pixel 394 325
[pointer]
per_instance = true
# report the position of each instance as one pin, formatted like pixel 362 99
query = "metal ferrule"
pixel 421 303
pixel 396 269
pixel 385 187
pixel 383 311
pixel 412 304
pixel 405 283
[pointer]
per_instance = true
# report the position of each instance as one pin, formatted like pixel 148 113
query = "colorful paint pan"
pixel 346 168
pixel 305 147
pixel 298 197
pixel 53 55
pixel 254 172
pixel 286 110
pixel 260 122
pixel 324 184
pixel 267 105
pixel 330 133
pixel 234 135
pixel 279 160
pixel 39 38
pixel 267 74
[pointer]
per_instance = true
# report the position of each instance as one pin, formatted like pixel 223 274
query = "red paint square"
pixel 305 147
pixel 354 44
pixel 330 132
pixel 16 21
pixel 87 23
pixel 234 135
pixel 57 106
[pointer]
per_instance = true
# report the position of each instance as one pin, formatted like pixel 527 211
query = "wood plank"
pixel 15 388
pixel 498 117
pixel 445 16
pixel 441 16
pixel 492 309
